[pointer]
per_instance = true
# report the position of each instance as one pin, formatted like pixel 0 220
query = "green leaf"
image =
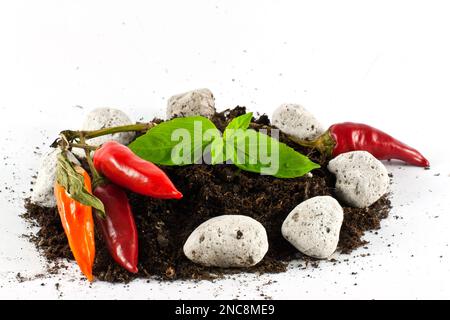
pixel 237 126
pixel 259 153
pixel 238 123
pixel 179 141
pixel 73 182
pixel 217 151
pixel 183 141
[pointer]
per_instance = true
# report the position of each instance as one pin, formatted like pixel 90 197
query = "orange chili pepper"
pixel 78 224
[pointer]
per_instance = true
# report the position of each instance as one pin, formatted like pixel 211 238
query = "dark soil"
pixel 209 191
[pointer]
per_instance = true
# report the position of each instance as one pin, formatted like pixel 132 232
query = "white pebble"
pixel 295 120
pixel 227 241
pixel 105 118
pixel 313 227
pixel 361 179
pixel 198 102
pixel 43 194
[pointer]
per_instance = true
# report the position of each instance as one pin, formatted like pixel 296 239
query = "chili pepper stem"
pixel 97 179
pixel 304 143
pixel 324 143
pixel 70 134
pixel 83 146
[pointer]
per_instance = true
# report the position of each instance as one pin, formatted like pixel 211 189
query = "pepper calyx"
pixel 325 143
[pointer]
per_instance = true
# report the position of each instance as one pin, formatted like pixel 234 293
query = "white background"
pixel 385 63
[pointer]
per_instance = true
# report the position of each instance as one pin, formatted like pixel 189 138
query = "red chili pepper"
pixel 345 137
pixel 118 227
pixel 120 165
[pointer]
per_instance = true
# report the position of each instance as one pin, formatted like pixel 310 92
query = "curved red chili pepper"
pixel 118 227
pixel 351 136
pixel 120 165
pixel 348 136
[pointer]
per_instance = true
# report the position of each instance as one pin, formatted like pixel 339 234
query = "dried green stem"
pixel 71 135
pixel 324 144
pixel 83 146
pixel 96 178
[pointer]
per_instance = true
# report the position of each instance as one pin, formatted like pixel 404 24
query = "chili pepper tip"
pixel 133 269
pixel 177 195
pixel 130 267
